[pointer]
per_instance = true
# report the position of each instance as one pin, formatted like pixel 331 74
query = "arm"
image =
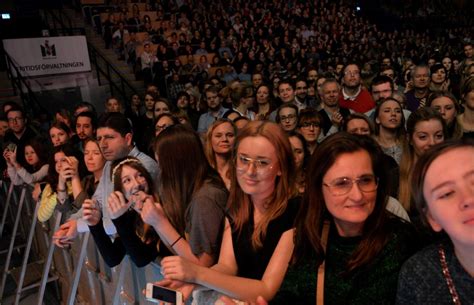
pixel 31 178
pixel 112 252
pixel 140 253
pixel 233 286
pixel 153 214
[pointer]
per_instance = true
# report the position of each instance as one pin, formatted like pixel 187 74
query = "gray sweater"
pixel 421 279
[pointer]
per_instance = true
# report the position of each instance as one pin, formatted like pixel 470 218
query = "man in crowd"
pixel 18 133
pixel 215 109
pixel 114 135
pixel 354 96
pixel 420 81
pixel 302 99
pixel 331 111
pixel 86 125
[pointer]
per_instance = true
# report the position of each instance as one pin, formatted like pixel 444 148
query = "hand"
pixel 66 234
pixel 152 213
pixel 336 119
pixel 91 212
pixel 6 155
pixel 13 157
pixel 74 165
pixel 178 268
pixel 36 192
pixel 117 204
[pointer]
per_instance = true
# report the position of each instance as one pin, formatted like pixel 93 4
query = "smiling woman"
pixel 258 236
pixel 345 230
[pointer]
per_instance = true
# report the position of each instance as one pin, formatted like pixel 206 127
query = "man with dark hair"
pixel 381 87
pixel 83 107
pixel 353 95
pixel 86 126
pixel 215 109
pixel 19 132
pixel 112 104
pixel 114 134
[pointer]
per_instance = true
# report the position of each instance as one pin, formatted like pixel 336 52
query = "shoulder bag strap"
pixel 320 283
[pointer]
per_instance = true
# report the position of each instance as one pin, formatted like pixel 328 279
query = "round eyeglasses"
pixel 342 186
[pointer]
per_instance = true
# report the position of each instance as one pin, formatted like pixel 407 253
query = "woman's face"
pixel 58 136
pixel 469 100
pixel 262 95
pixel 135 100
pixel 257 167
pixel 149 102
pixel 447 63
pixel 449 194
pixel 182 102
pixel 298 151
pixel 439 76
pixel 160 108
pixel 310 131
pixel 445 106
pixel 426 134
pixel 93 157
pixel 358 126
pixel 350 210
pixel 288 118
pixel 60 161
pixel 132 181
pixel 30 156
pixel 223 138
pixel 390 115
pixel 162 124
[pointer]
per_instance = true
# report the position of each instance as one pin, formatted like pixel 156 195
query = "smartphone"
pixel 11 147
pixel 157 294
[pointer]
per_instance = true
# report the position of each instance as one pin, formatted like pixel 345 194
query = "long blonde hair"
pixel 239 204
pixel 408 160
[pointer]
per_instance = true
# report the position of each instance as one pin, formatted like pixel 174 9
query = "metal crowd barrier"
pixel 77 275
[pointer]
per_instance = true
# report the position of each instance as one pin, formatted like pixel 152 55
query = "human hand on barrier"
pixel 178 268
pixel 66 234
pixel 152 213
pixel 36 192
pixel 117 204
pixel 91 213
pixel 225 300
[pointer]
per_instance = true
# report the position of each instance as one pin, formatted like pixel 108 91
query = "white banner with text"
pixel 48 55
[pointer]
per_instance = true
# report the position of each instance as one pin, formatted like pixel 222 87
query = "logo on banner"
pixel 47 50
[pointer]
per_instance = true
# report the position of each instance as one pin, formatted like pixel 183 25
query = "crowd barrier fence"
pixel 78 274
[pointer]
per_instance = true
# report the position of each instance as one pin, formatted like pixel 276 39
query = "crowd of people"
pixel 330 163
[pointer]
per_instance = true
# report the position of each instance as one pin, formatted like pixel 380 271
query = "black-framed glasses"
pixel 342 186
pixel 289 117
pixel 309 125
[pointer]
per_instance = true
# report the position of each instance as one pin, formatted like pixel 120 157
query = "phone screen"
pixel 164 295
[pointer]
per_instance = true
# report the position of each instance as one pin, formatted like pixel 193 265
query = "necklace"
pixel 447 276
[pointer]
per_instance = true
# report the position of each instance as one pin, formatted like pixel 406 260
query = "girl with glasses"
pixel 258 237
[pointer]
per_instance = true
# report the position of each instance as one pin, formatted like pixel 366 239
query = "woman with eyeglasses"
pixel 287 117
pixel 258 237
pixel 309 125
pixel 348 247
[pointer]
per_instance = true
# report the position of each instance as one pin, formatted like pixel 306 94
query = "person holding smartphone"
pixel 58 186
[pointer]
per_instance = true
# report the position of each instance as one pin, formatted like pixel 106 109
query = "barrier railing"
pixel 84 279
